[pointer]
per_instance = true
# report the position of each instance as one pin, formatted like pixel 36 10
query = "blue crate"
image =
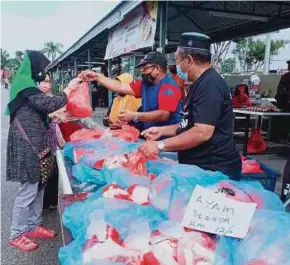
pixel 267 179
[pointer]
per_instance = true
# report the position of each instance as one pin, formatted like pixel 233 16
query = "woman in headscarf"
pixel 29 108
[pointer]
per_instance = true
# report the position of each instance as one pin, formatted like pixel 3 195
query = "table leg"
pixel 246 137
pixel 269 128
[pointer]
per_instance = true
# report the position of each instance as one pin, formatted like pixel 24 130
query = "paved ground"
pixel 47 253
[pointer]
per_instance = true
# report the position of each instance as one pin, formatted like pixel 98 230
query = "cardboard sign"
pixel 214 213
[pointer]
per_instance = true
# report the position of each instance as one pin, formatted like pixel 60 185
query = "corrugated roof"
pixel 221 20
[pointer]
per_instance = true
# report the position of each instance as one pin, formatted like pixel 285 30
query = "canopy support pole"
pixel 163 6
pixel 110 94
pixel 75 67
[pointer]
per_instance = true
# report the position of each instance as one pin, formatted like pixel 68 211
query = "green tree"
pixel 52 49
pixel 250 52
pixel 228 66
pixel 219 50
pixel 5 57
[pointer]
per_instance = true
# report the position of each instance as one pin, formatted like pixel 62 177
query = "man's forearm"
pixel 153 116
pixel 169 130
pixel 188 139
pixel 115 86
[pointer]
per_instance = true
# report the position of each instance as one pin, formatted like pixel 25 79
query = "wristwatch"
pixel 160 146
pixel 136 118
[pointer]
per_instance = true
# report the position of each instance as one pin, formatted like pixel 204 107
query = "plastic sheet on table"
pixel 267 242
pixel 173 188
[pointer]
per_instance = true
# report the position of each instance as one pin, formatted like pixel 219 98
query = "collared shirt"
pixel 164 95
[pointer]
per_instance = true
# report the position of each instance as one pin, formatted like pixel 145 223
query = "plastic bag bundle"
pixel 91 151
pixel 246 191
pixel 87 134
pixel 127 133
pixel 267 242
pixel 137 194
pixel 135 162
pixel 78 104
pixel 251 166
pixel 173 188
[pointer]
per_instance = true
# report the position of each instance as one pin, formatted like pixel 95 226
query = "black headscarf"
pixel 30 72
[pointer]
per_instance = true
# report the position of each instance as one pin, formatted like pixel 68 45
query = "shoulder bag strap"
pixel 24 135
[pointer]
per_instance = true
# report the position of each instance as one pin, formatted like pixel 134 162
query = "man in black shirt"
pixel 205 135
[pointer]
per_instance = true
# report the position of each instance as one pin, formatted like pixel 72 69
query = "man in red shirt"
pixel 160 94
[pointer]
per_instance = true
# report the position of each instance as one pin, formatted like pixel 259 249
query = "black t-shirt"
pixel 209 102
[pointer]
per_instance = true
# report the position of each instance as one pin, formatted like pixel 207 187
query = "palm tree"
pixel 52 49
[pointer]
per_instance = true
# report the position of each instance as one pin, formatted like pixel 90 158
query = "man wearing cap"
pixel 160 94
pixel 205 135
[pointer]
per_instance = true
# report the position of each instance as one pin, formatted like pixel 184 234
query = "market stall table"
pixel 65 188
pixel 259 115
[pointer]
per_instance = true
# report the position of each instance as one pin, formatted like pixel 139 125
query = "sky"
pixel 29 24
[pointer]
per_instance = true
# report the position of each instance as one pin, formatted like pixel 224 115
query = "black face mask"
pixel 40 77
pixel 148 79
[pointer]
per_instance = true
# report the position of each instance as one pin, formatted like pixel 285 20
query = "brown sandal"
pixel 24 243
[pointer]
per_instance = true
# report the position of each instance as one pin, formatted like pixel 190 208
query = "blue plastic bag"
pixel 87 174
pixel 101 148
pixel 124 178
pixel 173 188
pixel 267 242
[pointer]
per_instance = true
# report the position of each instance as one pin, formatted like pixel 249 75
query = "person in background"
pixel 175 77
pixel 121 103
pixel 204 137
pixel 281 124
pixel 241 97
pixel 283 91
pixel 28 109
pixel 160 94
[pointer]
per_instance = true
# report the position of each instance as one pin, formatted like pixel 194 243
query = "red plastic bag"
pixel 136 163
pixel 251 166
pixel 67 129
pixel 86 134
pixel 127 133
pixel 256 143
pixel 79 102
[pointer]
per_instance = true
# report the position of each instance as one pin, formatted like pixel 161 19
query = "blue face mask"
pixel 181 74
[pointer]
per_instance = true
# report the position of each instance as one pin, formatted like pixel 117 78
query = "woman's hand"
pixel 89 75
pixel 62 115
pixel 73 84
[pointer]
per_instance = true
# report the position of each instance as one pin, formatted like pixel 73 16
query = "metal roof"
pixel 221 20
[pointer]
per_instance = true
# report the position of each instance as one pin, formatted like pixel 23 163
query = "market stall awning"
pixel 221 20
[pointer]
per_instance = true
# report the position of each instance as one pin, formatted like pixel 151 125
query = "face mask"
pixel 45 87
pixel 148 79
pixel 181 74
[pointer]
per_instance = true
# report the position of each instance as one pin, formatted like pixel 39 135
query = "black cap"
pixel 288 61
pixel 154 58
pixel 195 40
